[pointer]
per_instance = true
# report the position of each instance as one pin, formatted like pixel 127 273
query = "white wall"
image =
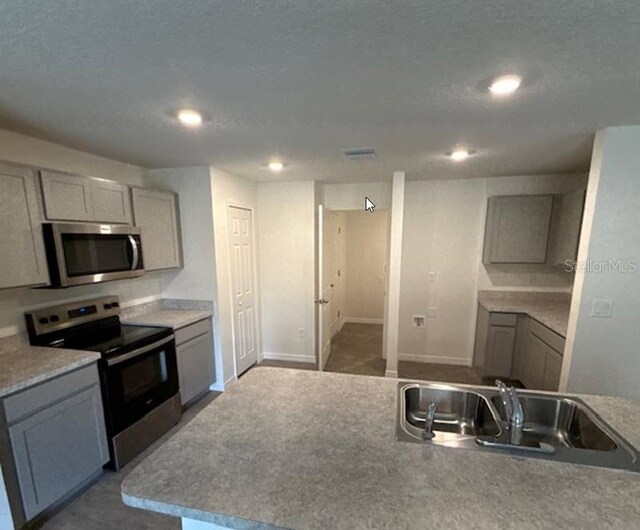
pixel 286 227
pixel 444 233
pixel 443 229
pixel 226 190
pixel 603 353
pixel 366 260
pixel 351 196
pixel 22 149
pixel 196 281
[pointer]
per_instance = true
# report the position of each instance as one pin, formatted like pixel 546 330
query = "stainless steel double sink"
pixel 559 428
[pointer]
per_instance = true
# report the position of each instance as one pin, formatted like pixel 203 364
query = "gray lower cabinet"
pixel 156 213
pixel 517 229
pixel 541 358
pixel 22 257
pixel 495 342
pixel 194 350
pixel 59 445
pixel 534 358
pixel 515 346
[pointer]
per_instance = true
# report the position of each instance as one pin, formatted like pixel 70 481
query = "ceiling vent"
pixel 360 154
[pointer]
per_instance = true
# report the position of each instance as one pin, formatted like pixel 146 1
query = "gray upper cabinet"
pixel 111 202
pixel 517 229
pixel 567 225
pixel 74 198
pixel 156 213
pixel 66 197
pixel 22 258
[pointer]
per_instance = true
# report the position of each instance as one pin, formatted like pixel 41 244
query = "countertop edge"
pixel 177 510
pixel 487 305
pixel 7 391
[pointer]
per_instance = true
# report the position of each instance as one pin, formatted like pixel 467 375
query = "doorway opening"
pixel 355 258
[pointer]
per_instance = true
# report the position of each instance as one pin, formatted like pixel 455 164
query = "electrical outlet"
pixel 418 321
pixel 301 333
pixel 431 312
pixel 602 309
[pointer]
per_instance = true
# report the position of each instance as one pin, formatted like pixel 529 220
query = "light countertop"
pixel 23 365
pixel 171 318
pixel 308 450
pixel 551 311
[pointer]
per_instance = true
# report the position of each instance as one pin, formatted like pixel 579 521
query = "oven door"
pixel 136 382
pixel 79 254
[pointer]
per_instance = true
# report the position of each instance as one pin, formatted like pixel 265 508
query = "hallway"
pixel 357 349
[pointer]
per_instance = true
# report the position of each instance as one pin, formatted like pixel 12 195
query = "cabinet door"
pixel 58 448
pixel 567 228
pixel 111 202
pixel 517 229
pixel 22 258
pixel 552 369
pixel 66 197
pixel 499 356
pixel 535 355
pixel 155 212
pixel 195 366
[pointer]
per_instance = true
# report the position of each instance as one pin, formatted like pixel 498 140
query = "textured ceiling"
pixel 304 79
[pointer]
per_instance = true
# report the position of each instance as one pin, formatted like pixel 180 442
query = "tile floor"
pixel 357 349
pixel 100 506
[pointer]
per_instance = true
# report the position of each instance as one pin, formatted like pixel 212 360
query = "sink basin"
pixel 561 423
pixel 461 415
pixel 556 427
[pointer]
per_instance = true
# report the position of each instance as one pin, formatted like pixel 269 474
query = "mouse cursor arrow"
pixel 368 205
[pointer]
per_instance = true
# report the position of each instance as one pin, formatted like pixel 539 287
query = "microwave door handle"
pixel 135 250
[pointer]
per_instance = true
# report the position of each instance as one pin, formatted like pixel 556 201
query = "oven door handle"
pixel 139 351
pixel 135 250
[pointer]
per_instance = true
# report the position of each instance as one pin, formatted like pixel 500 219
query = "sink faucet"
pixel 513 411
pixel 428 433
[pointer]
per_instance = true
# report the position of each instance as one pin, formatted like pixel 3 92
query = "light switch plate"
pixel 602 309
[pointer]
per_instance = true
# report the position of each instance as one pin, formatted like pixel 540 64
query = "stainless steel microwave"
pixel 79 254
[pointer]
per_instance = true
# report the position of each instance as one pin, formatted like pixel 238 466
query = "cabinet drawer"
pixel 503 319
pixel 29 401
pixel 192 331
pixel 546 335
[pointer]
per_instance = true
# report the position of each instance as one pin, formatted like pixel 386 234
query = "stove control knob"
pixel 107 306
pixel 44 320
pixel 54 318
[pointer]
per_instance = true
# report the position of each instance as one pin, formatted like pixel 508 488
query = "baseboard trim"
pixel 290 357
pixel 221 387
pixel 358 320
pixel 434 359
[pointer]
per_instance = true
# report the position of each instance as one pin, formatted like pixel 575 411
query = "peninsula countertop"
pixel 23 365
pixel 550 309
pixel 171 318
pixel 308 450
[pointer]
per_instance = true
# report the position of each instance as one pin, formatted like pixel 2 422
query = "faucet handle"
pixel 505 398
pixel 428 433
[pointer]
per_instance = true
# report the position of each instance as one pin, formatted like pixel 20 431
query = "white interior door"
pixel 324 291
pixel 243 287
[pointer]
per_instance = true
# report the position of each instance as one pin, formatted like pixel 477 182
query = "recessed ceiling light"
pixel 505 85
pixel 276 166
pixel 459 154
pixel 190 118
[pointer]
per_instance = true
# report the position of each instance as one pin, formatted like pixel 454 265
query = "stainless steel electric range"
pixel 138 369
